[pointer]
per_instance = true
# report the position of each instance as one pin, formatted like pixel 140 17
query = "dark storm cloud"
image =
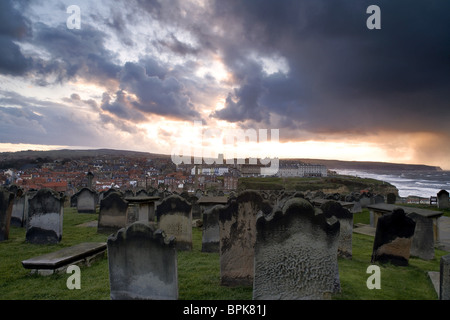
pixel 76 53
pixel 343 77
pixel 178 47
pixel 13 27
pixel 122 107
pixel 158 92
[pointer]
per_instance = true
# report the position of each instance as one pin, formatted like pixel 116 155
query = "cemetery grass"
pixel 198 272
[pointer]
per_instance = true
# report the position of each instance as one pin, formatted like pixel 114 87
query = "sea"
pixel 423 184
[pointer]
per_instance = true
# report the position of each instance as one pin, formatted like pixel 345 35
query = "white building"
pixel 302 170
pixel 209 171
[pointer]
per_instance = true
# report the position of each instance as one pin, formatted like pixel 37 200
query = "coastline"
pixel 410 184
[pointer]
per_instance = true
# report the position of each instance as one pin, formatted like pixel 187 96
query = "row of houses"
pixel 302 170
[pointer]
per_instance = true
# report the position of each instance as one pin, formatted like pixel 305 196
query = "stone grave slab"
pixel 58 261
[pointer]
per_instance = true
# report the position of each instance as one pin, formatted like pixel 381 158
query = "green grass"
pixel 198 272
pixel 346 183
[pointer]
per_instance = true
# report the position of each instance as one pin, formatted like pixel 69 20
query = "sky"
pixel 308 77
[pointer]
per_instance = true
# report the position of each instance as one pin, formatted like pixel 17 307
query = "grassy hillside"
pixel 341 184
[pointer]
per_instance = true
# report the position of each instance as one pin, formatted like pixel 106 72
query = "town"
pixel 141 172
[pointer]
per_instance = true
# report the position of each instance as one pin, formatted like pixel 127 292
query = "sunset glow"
pixel 137 75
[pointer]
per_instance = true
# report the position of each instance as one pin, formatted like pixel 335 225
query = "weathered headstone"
pixel 377 199
pixel 86 201
pixel 73 200
pixel 442 199
pixel 128 193
pixel 357 208
pixel 141 193
pixel 393 238
pixel 296 254
pixel 90 178
pixel 365 200
pixel 141 208
pixel 237 223
pixel 422 245
pixel 207 202
pixel 142 264
pixel 211 233
pixel 18 209
pixel 193 200
pixel 6 205
pixel 45 217
pixel 444 278
pixel 391 198
pixel 174 216
pixel 113 213
pixel 345 217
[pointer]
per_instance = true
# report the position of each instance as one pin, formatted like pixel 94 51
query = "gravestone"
pixel 86 201
pixel 196 210
pixel 444 278
pixel 141 208
pixel 207 202
pixel 237 223
pixel 90 178
pixel 365 199
pixel 345 217
pixel 174 216
pixel 45 217
pixel 58 261
pixel 422 245
pixel 393 238
pixel 295 254
pixel 391 198
pixel 18 208
pixel 142 264
pixel 142 193
pixel 357 208
pixel 6 205
pixel 442 200
pixel 128 193
pixel 211 233
pixel 73 200
pixel 113 213
pixel 377 199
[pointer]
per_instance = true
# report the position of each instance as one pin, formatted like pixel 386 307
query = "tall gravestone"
pixel 142 264
pixel 113 213
pixel 211 233
pixel 442 199
pixel 45 217
pixel 86 201
pixel 391 198
pixel 6 205
pixel 295 254
pixel 174 216
pixel 237 229
pixel 393 238
pixel 422 244
pixel 345 217
pixel 18 209
pixel 444 278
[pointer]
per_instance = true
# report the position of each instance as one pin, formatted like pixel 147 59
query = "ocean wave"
pixel 420 184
